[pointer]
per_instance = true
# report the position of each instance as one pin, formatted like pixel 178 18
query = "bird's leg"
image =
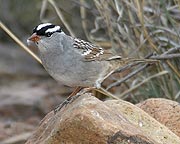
pixel 78 92
pixel 81 92
pixel 69 99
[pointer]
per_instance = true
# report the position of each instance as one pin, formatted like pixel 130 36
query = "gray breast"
pixel 66 64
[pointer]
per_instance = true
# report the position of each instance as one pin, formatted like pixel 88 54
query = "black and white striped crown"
pixel 46 29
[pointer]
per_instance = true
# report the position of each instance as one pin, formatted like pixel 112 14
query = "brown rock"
pixel 165 111
pixel 89 120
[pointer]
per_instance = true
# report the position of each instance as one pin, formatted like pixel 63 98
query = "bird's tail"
pixel 125 63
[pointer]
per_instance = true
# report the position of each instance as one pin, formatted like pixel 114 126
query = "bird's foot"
pixel 71 98
pixel 66 102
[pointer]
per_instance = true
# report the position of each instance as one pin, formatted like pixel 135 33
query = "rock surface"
pixel 165 111
pixel 89 120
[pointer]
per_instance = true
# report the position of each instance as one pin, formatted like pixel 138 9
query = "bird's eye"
pixel 48 34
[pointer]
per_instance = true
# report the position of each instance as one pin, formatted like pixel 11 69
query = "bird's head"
pixel 45 30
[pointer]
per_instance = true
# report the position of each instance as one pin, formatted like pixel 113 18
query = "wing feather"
pixel 92 52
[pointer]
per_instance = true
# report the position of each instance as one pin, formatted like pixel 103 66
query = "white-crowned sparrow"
pixel 73 61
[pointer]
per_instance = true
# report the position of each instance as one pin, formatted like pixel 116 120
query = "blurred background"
pixel 127 27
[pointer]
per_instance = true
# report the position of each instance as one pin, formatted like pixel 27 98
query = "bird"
pixel 72 61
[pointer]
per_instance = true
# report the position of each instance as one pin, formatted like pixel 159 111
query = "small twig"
pixel 19 42
pixel 177 95
pixel 165 57
pixel 43 9
pixel 174 49
pixel 132 64
pixel 60 15
pixel 119 82
pixel 83 18
pixel 160 57
pixel 105 92
pixel 121 69
pixel 141 83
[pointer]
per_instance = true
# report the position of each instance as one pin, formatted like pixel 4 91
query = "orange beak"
pixel 34 37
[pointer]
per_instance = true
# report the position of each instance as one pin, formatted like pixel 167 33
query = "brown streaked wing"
pixel 93 52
